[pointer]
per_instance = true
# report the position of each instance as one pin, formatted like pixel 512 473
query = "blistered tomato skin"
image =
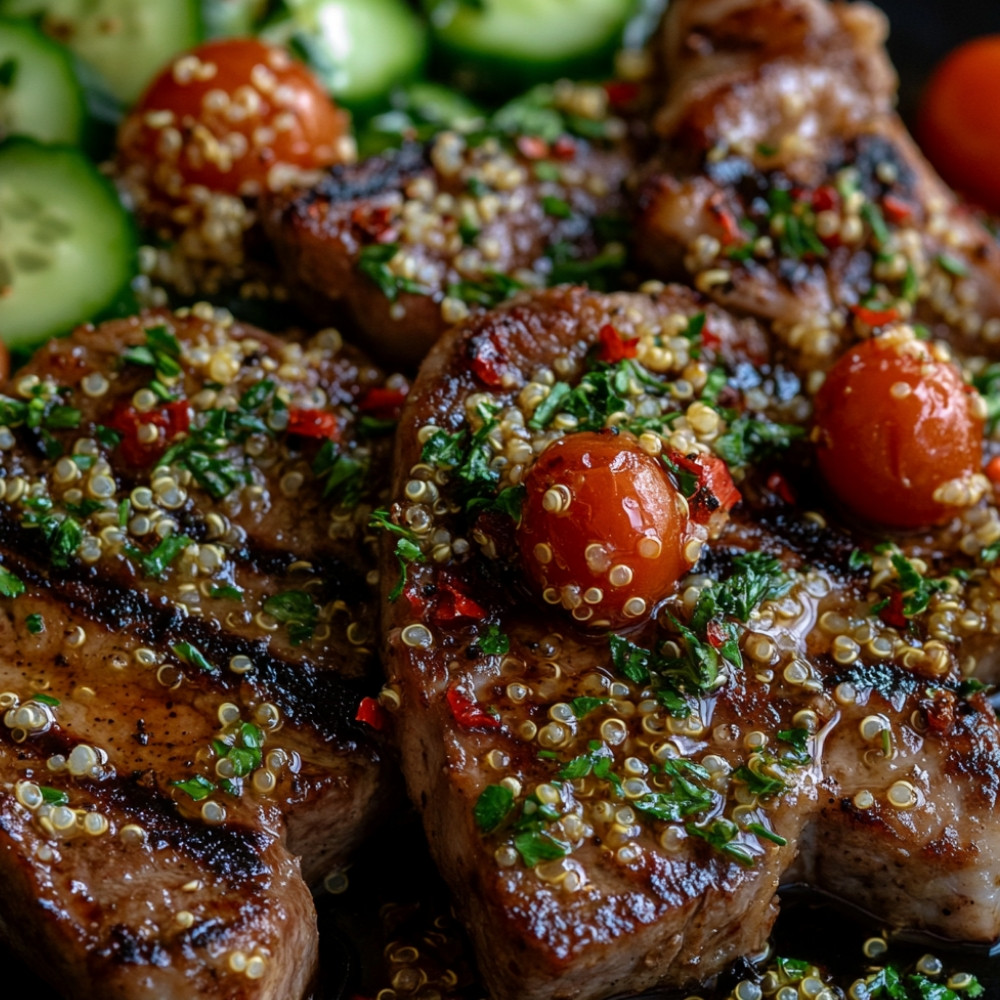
pixel 898 434
pixel 959 121
pixel 603 530
pixel 225 114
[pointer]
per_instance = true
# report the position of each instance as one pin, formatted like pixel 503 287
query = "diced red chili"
pixel 939 711
pixel 452 603
pixel 896 210
pixel 892 613
pixel 376 221
pixel 731 232
pixel 780 487
pixel 614 347
pixel 715 634
pixel 710 339
pixel 532 147
pixel 382 402
pixel 467 712
pixel 487 362
pixel 371 713
pixel 621 93
pixel 171 420
pixel 825 198
pixel 313 424
pixel 564 148
pixel 875 317
pixel 716 489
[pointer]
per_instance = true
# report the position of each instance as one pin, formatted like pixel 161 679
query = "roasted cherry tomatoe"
pixel 225 115
pixel 899 435
pixel 604 531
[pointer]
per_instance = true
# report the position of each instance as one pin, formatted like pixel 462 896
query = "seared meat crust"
pixel 180 756
pixel 631 898
pixel 786 187
pixel 401 245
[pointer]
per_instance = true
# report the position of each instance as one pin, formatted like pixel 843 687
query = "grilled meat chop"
pixel 786 187
pixel 187 637
pixel 614 814
pixel 402 245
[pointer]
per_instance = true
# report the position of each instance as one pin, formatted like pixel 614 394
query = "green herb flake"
pixel 155 563
pixel 10 585
pixel 197 788
pixel 747 440
pixel 583 706
pixel 721 835
pixel 226 593
pixel 187 653
pixel 295 610
pixel 765 833
pixel 952 265
pixel 45 699
pixel 629 660
pixel 343 475
pixel 793 969
pixel 35 624
pixel 493 642
pixel 161 352
pixel 558 208
pixel 53 796
pixel 407 549
pixel 493 806
pixel 535 847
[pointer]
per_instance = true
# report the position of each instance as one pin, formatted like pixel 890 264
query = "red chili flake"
pixel 564 148
pixel 621 93
pixel 467 712
pixel 371 713
pixel 731 232
pixel 825 199
pixel 172 419
pixel 939 711
pixel 875 317
pixel 532 147
pixel 452 603
pixel 716 489
pixel 892 613
pixel 614 347
pixel 382 402
pixel 313 423
pixel 715 634
pixel 487 361
pixel 376 222
pixel 779 486
pixel 896 210
pixel 710 339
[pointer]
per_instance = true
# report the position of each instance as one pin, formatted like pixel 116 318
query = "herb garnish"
pixel 242 749
pixel 407 549
pixel 155 562
pixel 35 624
pixel 196 787
pixel 296 611
pixel 188 653
pixel 493 641
pixel 488 291
pixel 161 352
pixel 749 439
pixel 373 262
pixel 10 585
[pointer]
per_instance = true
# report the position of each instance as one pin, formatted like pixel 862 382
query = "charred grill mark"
pixel 308 695
pixel 356 182
pixel 125 947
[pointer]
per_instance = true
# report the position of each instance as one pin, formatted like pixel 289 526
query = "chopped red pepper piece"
pixel 939 711
pixel 892 613
pixel 313 423
pixel 731 232
pixel 779 486
pixel 382 402
pixel 487 361
pixel 896 210
pixel 621 93
pixel 716 489
pixel 715 634
pixel 825 198
pixel 376 221
pixel 172 420
pixel 614 347
pixel 875 317
pixel 532 147
pixel 710 339
pixel 444 603
pixel 564 148
pixel 371 713
pixel 468 713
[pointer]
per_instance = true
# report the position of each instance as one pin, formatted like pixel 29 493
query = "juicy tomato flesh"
pixel 603 530
pixel 959 120
pixel 226 113
pixel 894 426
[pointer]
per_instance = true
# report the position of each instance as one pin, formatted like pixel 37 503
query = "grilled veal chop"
pixel 786 186
pixel 187 633
pixel 615 788
pixel 404 244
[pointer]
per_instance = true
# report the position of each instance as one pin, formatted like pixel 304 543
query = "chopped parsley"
pixel 197 787
pixel 242 749
pixel 749 439
pixel 583 706
pixel 493 806
pixel 493 642
pixel 686 796
pixel 10 585
pixel 296 611
pixel 917 590
pixel 490 290
pixel 43 412
pixel 35 624
pixel 187 653
pixel 45 699
pixel 407 549
pixel 558 208
pixel 343 475
pixel 226 593
pixel 469 457
pixel 987 383
pixel 161 352
pixel 721 834
pixel 62 534
pixel 53 796
pixel 598 761
pixel 156 562
pixel 601 272
pixel 373 262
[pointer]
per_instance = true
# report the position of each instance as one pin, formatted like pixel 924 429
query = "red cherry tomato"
pixel 603 530
pixel 959 121
pixel 224 114
pixel 894 426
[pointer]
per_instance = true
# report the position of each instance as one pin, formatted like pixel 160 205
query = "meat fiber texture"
pixel 187 637
pixel 885 767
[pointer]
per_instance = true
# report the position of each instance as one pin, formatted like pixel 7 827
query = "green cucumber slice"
pixel 67 247
pixel 501 46
pixel 39 94
pixel 126 41
pixel 360 49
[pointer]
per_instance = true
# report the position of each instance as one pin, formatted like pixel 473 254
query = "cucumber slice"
pixel 39 94
pixel 68 248
pixel 126 41
pixel 501 46
pixel 360 49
